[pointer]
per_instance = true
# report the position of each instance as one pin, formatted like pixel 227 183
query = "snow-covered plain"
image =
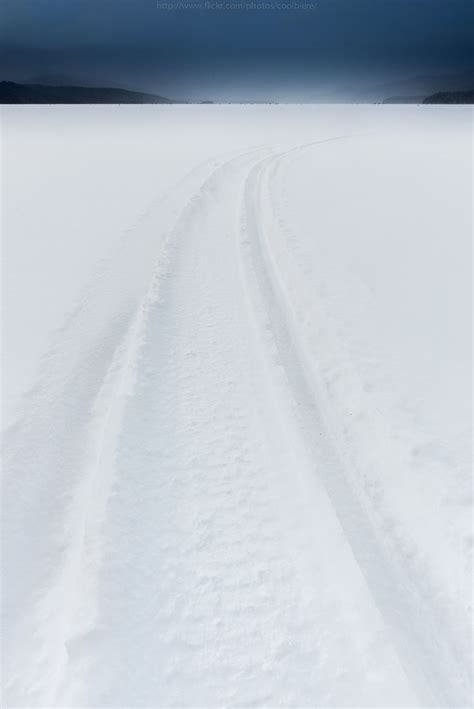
pixel 236 399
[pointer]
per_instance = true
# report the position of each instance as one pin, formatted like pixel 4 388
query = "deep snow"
pixel 236 397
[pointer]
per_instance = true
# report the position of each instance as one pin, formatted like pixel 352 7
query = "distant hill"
pixel 451 97
pixel 404 99
pixel 11 92
pixel 415 89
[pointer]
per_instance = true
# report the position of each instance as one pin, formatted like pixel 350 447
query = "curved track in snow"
pixel 428 652
pixel 187 535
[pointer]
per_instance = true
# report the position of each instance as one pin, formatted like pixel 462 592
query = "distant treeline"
pixel 14 93
pixel 451 97
pixel 11 92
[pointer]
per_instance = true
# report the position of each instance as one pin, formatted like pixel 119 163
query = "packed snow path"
pixel 198 543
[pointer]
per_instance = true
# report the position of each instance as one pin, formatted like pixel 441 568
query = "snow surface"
pixel 236 402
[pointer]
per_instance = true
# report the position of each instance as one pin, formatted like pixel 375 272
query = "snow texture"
pixel 236 406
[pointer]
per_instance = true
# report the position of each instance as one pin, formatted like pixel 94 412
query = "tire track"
pixel 203 600
pixel 59 459
pixel 75 430
pixel 429 659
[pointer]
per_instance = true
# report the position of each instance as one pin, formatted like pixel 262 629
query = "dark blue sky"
pixel 334 46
